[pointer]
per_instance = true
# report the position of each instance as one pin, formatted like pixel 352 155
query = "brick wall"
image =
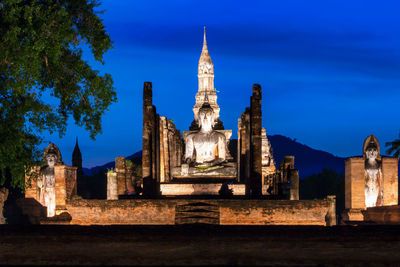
pixel 383 215
pixel 276 212
pixel 107 212
pixel 231 211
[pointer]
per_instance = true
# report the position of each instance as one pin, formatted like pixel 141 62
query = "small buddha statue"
pixel 206 146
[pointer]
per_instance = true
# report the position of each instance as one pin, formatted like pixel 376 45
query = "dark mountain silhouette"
pixel 307 160
pixel 111 165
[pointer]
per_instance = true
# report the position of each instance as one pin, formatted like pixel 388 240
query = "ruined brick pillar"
pixel 151 144
pixel 65 185
pixel 238 149
pixel 163 149
pixel 287 179
pixel 174 146
pixel 147 131
pixel 244 150
pixel 256 144
pixel 288 162
pixel 120 169
pixel 390 181
pixel 112 186
pixel 157 156
pixel 354 189
pixel 294 184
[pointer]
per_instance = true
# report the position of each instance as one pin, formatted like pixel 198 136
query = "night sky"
pixel 329 70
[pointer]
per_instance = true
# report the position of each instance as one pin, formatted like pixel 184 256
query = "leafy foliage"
pixel 43 78
pixel 394 147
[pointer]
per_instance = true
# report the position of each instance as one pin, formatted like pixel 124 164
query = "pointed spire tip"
pixel 205 39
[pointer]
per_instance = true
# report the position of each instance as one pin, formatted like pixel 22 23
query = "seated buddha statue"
pixel 205 147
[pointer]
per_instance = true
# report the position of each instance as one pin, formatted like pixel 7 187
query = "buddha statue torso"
pixel 205 145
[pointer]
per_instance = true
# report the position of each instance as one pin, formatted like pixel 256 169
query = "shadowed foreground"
pixel 199 244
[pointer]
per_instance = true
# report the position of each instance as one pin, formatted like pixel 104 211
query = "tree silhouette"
pixel 394 147
pixel 43 78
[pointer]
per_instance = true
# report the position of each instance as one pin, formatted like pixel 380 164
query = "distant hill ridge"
pixel 109 165
pixel 307 160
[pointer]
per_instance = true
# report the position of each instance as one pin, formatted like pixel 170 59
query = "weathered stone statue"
pixel 370 181
pixel 205 147
pixel 46 181
pixel 373 174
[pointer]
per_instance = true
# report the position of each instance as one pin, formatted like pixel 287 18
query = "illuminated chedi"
pixel 206 144
pixel 206 88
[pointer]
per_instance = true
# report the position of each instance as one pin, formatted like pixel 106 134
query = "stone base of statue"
pixel 352 215
pixel 223 170
pixel 205 189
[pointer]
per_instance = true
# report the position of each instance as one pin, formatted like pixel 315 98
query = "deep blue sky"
pixel 329 70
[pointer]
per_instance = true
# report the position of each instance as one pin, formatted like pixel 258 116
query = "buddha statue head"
pixel 206 117
pixel 371 151
pixel 51 159
pixel 52 155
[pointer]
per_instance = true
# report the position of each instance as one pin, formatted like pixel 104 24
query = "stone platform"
pixel 382 215
pixel 182 189
pixel 191 210
pixel 225 170
pixel 200 189
pixel 211 211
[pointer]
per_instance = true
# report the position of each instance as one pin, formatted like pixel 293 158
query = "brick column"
pixel 147 130
pixel 60 185
pixel 120 169
pixel 245 150
pixel 239 150
pixel 294 184
pixel 163 124
pixel 148 138
pixel 354 189
pixel 354 183
pixel 112 186
pixel 256 144
pixel 390 181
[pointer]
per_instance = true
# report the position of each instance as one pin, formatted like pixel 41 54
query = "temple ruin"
pixel 198 175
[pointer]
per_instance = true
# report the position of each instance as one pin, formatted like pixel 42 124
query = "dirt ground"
pixel 200 245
